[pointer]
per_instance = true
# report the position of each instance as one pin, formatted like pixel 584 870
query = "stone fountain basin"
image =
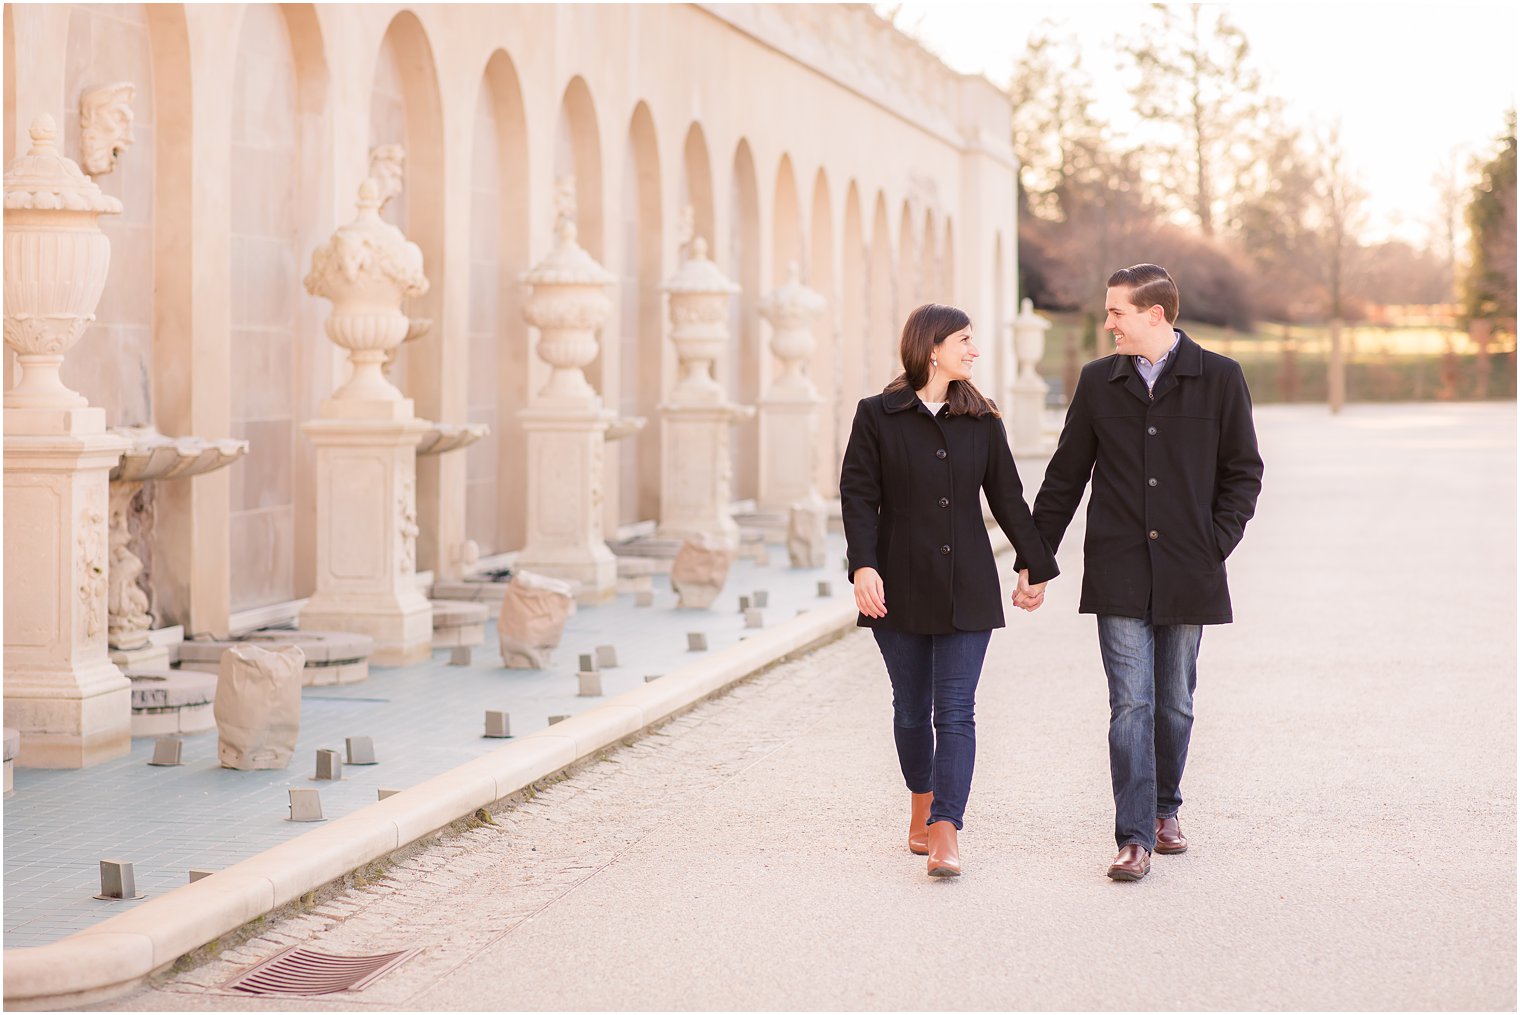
pixel 154 456
pixel 442 437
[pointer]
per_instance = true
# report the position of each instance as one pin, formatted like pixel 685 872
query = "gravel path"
pixel 1351 802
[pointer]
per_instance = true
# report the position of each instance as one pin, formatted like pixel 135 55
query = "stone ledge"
pixel 117 954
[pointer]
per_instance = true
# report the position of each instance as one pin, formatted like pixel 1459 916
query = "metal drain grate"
pixel 302 972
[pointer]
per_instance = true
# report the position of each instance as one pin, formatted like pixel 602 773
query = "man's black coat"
pixel 1175 476
pixel 910 496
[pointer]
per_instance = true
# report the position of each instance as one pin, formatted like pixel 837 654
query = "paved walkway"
pixel 1351 802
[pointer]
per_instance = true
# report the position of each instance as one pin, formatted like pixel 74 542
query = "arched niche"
pixel 787 243
pixel 747 365
pixel 274 165
pixel 947 263
pixel 930 289
pixel 500 227
pixel 406 109
pixel 825 369
pixel 907 283
pixel 853 383
pixel 578 153
pixel 883 328
pixel 643 362
pixel 697 184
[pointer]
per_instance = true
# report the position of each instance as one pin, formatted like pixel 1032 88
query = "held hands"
pixel 1027 597
pixel 870 595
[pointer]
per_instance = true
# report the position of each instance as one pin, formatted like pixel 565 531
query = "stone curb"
pixel 117 954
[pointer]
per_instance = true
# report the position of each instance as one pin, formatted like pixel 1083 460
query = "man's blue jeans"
pixel 1152 670
pixel 934 678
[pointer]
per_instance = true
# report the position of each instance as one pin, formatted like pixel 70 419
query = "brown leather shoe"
pixel 1132 864
pixel 1169 837
pixel 944 851
pixel 918 824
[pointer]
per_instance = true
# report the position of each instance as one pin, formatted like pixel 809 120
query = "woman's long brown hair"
pixel 925 329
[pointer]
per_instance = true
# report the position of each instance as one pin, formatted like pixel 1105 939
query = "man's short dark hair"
pixel 1149 286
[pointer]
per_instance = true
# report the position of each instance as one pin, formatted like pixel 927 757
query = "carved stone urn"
pixel 699 303
pixel 367 269
pixel 56 260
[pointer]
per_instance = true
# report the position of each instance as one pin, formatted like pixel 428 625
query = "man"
pixel 1164 429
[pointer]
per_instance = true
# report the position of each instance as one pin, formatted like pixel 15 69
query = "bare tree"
pixel 1195 80
pixel 1342 202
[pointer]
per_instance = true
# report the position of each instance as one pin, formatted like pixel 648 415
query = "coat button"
pixel 1152 482
pixel 1151 430
pixel 940 453
pixel 945 549
pixel 944 502
pixel 1155 534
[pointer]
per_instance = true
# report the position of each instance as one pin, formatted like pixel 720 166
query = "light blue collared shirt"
pixel 1150 371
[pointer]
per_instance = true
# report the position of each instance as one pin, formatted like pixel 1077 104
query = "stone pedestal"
pixel 1029 389
pixel 70 703
pixel 696 471
pixel 566 451
pixel 367 536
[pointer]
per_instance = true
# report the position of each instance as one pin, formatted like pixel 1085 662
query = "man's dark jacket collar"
pixel 1187 361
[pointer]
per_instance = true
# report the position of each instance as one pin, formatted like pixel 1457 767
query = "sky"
pixel 1410 82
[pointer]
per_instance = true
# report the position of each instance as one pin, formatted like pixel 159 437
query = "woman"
pixel 919 455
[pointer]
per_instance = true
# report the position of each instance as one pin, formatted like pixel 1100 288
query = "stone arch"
pixel 500 236
pixel 995 336
pixel 853 383
pixel 643 361
pixel 745 367
pixel 881 350
pixel 929 287
pixel 787 242
pixel 947 263
pixel 907 284
pixel 825 368
pixel 406 109
pixel 278 91
pixel 697 185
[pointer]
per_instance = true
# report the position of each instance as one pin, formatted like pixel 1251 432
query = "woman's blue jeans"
pixel 934 679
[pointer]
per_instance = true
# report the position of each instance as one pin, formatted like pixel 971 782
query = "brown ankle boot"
pixel 944 851
pixel 918 823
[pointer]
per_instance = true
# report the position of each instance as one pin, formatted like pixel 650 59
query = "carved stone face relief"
pixel 105 126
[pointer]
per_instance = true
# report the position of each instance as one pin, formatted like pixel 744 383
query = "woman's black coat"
pixel 909 492
pixel 1175 476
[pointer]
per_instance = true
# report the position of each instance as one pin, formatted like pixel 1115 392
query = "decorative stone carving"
pixel 700 570
pixel 56 259
pixel 789 410
pixel 93 565
pixel 366 269
pixel 1029 388
pixel 696 459
pixel 150 457
pixel 566 424
pixel 387 167
pixel 105 126
pixel 807 534
pixel 366 442
pixel 534 609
